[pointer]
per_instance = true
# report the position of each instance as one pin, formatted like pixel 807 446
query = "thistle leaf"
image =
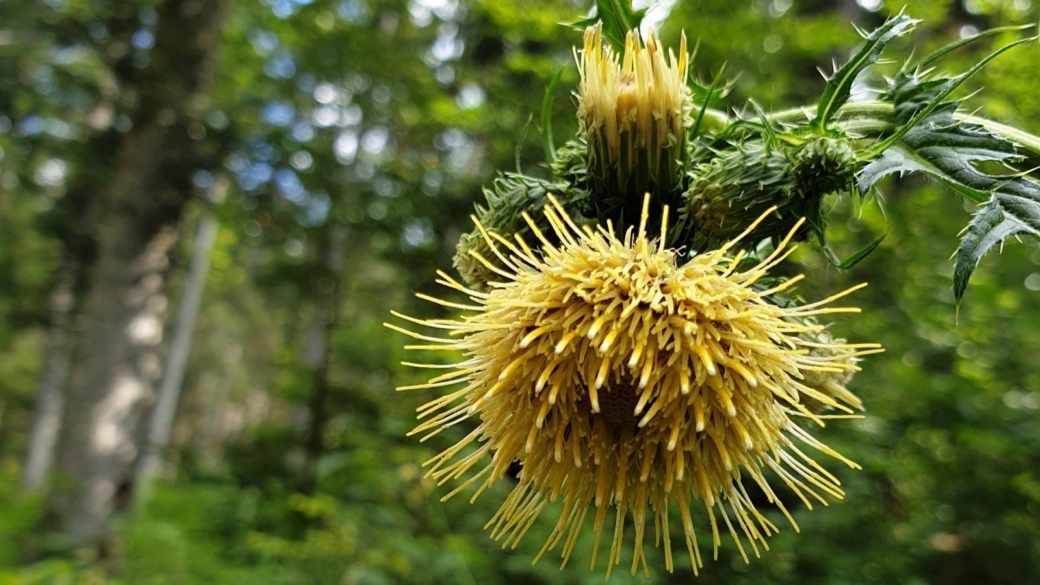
pixel 946 150
pixel 710 95
pixel 855 258
pixel 930 139
pixel 1005 215
pixel 916 98
pixel 839 86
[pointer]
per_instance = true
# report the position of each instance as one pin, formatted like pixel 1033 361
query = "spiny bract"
pixel 620 377
pixel 728 192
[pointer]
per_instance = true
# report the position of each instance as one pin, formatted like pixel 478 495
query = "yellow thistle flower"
pixel 620 377
pixel 633 113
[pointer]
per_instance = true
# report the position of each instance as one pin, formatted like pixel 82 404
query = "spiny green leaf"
pixel 855 258
pixel 710 95
pixel 929 138
pixel 1005 215
pixel 707 96
pixel 839 86
pixel 930 92
pixel 946 150
pixel 618 18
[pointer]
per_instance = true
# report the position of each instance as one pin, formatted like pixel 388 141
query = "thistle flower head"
pixel 622 377
pixel 633 112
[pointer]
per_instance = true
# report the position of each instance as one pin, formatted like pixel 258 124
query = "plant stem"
pixel 873 119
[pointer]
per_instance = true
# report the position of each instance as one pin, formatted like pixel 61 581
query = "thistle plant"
pixel 624 338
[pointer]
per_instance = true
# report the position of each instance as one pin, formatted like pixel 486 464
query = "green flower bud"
pixel 508 199
pixel 738 185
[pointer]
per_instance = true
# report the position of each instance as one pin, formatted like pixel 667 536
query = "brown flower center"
pixel 617 404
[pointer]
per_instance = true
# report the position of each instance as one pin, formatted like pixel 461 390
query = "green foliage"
pixel 930 140
pixel 839 86
pixel 21 515
pixel 949 492
pixel 753 166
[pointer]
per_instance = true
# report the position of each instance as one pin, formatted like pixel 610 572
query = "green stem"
pixel 876 110
pixel 870 119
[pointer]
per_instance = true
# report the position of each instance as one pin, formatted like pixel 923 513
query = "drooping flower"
pixel 633 112
pixel 621 377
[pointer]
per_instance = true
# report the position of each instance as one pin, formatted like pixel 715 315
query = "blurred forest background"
pixel 208 208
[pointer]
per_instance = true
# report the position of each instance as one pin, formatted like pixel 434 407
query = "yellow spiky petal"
pixel 620 377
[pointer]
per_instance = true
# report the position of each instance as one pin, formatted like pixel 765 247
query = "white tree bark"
pixel 168 396
pixel 50 397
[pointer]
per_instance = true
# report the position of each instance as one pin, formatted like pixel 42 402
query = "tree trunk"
pixel 110 386
pixel 168 397
pixel 318 351
pixel 50 396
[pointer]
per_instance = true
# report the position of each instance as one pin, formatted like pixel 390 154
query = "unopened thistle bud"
pixel 728 192
pixel 633 112
pixel 509 198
